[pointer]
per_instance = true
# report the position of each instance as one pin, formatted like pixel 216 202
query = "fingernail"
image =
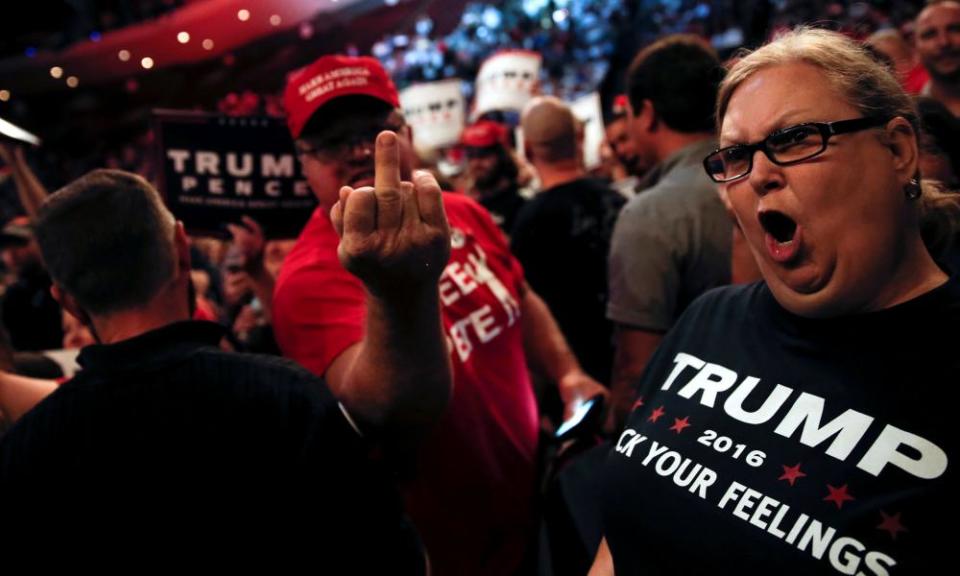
pixel 386 138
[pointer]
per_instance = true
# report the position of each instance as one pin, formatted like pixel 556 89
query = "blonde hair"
pixel 849 68
pixel 867 85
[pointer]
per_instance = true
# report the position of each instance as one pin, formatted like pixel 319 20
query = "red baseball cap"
pixel 331 77
pixel 484 134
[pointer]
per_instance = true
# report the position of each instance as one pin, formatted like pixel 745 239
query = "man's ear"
pixel 901 139
pixel 648 116
pixel 528 151
pixel 183 248
pixel 70 304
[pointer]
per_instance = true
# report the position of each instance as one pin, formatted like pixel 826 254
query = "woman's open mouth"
pixel 783 236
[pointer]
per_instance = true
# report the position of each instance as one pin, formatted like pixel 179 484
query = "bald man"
pixel 938 45
pixel 562 236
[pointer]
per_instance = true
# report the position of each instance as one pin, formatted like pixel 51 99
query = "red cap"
pixel 485 133
pixel 330 77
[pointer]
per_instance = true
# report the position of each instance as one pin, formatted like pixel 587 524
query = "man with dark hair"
pixel 938 45
pixel 473 491
pixel 107 268
pixel 562 236
pixel 160 425
pixel 492 171
pixel 672 241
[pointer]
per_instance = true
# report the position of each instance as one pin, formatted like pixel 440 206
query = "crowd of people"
pixel 723 349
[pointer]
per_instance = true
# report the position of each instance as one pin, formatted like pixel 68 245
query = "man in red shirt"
pixel 473 489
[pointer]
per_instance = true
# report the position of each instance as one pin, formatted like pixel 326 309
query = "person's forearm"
pixel 621 392
pixel 19 394
pixel 547 348
pixel 545 344
pixel 29 189
pixel 395 238
pixel 401 376
pixel 633 351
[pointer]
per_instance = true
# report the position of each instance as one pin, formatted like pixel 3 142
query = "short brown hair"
pixel 680 75
pixel 107 240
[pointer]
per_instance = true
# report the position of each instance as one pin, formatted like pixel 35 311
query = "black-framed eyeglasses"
pixel 784 147
pixel 334 144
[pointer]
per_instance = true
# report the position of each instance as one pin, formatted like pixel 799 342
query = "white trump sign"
pixel 506 81
pixel 436 112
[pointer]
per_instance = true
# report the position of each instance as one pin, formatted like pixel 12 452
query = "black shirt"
pixel 767 443
pixel 166 428
pixel 504 207
pixel 562 238
pixel 30 314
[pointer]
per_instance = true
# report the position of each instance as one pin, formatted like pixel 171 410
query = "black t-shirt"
pixel 30 314
pixel 562 238
pixel 504 207
pixel 766 443
pixel 166 429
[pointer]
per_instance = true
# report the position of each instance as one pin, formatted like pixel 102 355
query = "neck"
pixel 667 142
pixel 166 308
pixel 556 174
pixel 948 93
pixel 918 275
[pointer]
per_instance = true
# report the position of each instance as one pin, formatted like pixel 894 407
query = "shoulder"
pixel 683 186
pixel 459 201
pixel 261 367
pixel 469 216
pixel 739 300
pixel 545 205
pixel 459 206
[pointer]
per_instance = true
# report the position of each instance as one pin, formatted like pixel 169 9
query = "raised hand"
pixel 249 239
pixel 393 236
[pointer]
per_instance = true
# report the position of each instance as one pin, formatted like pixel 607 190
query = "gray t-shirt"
pixel 671 243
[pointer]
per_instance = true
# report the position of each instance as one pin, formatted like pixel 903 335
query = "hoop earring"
pixel 913 189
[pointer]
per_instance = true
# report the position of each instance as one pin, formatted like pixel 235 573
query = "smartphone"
pixel 585 419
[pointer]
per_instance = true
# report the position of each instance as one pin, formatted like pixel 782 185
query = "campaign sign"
pixel 436 112
pixel 587 110
pixel 214 169
pixel 506 81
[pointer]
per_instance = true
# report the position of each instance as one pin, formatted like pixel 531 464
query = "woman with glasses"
pixel 802 424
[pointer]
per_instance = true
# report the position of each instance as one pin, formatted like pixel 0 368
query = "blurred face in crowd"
pixel 898 51
pixel 483 166
pixel 622 144
pixel 826 231
pixel 19 256
pixel 935 165
pixel 640 125
pixel 342 153
pixel 938 40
